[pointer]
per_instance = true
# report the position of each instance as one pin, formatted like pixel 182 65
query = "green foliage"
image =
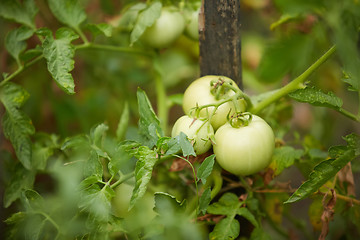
pixel 324 171
pixel 22 13
pixel 146 18
pixel 68 12
pixel 17 126
pixel 59 55
pixel 284 157
pixel 316 97
pixel 230 206
pixel 15 41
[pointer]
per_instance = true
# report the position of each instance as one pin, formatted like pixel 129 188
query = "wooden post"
pixel 219 37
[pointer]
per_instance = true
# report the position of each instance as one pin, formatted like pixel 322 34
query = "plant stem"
pixel 122 179
pixel 344 198
pixel 297 83
pixel 20 70
pixel 86 45
pixel 82 35
pixel 161 102
pixel 195 181
pixel 349 114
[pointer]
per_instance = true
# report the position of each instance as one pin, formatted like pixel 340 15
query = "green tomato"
pixel 197 131
pixel 140 215
pixel 244 150
pixel 167 28
pixel 192 26
pixel 199 93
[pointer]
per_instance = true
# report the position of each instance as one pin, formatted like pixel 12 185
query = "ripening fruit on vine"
pixel 167 28
pixel 202 91
pixel 197 131
pixel 244 150
pixel 192 25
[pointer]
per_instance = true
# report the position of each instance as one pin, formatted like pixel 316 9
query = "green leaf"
pixel 143 172
pixel 42 149
pixel 288 55
pixel 32 200
pixel 123 123
pixel 185 145
pixel 59 54
pixel 145 19
pixel 206 168
pixel 21 179
pixel 227 205
pixel 299 6
pixel 88 182
pixel 15 218
pixel 179 143
pixel 244 212
pixel 101 28
pixel 149 124
pixel 15 41
pixel 284 157
pixel 69 12
pixel 205 200
pixel 98 201
pixel 23 13
pixel 16 125
pixel 344 18
pixel 260 234
pixel 173 146
pixel 97 134
pixel 327 169
pixel 227 228
pixel 93 165
pixel 129 17
pixel 166 204
pixel 31 53
pixel 316 97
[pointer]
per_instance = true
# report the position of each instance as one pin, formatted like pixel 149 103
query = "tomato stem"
pixel 20 70
pixel 195 181
pixel 123 178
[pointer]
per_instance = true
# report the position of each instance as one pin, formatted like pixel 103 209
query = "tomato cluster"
pixel 215 117
pixel 169 26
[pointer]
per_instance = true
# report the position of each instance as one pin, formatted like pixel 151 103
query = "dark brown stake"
pixel 219 36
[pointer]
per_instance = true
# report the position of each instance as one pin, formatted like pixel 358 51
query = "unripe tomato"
pixel 192 26
pixel 196 130
pixel 244 150
pixel 167 28
pixel 199 93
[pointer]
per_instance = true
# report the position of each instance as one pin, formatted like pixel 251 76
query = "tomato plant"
pixel 244 149
pixel 199 132
pixel 209 91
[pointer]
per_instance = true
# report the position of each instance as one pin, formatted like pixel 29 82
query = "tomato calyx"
pixel 238 120
pixel 220 88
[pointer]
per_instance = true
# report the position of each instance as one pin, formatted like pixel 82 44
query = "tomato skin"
pixel 192 27
pixel 196 131
pixel 245 150
pixel 167 28
pixel 199 93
